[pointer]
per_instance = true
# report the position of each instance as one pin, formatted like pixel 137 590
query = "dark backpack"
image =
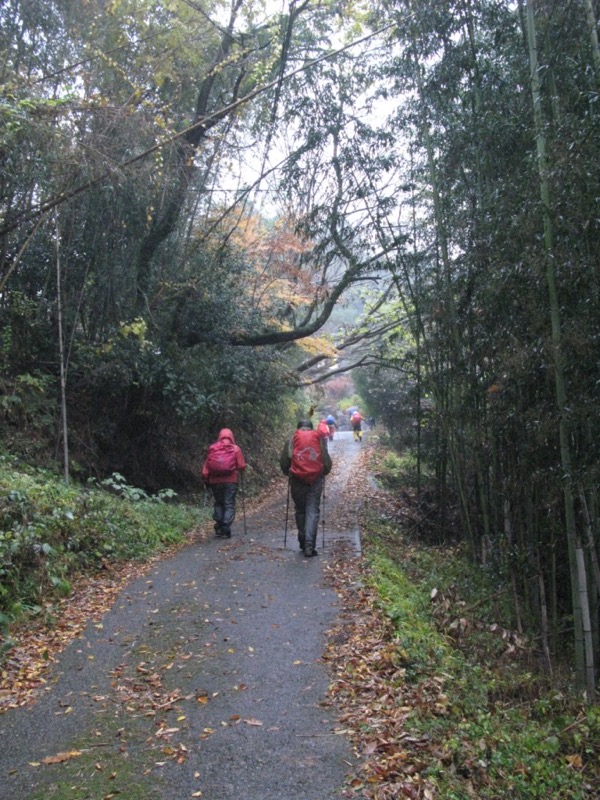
pixel 221 459
pixel 307 460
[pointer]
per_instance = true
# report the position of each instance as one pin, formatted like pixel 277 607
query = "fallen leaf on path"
pixel 166 731
pixel 252 721
pixel 60 757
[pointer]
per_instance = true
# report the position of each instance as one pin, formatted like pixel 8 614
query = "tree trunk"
pixel 544 617
pixel 166 216
pixel 61 352
pixel 581 657
pixel 590 682
pixel 591 545
pixel 593 29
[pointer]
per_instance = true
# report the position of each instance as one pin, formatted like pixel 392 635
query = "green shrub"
pixel 400 469
pixel 51 532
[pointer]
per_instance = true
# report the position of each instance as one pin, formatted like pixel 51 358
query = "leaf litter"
pixel 367 686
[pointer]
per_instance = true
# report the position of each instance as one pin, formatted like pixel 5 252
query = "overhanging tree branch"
pixel 372 333
pixel 368 360
pixel 201 126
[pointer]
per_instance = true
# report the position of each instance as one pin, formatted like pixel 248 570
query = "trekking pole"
pixel 323 512
pixel 287 512
pixel 243 502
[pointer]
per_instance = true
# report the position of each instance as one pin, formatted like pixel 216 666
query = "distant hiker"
pixel 323 429
pixel 331 424
pixel 306 461
pixel 224 460
pixel 355 420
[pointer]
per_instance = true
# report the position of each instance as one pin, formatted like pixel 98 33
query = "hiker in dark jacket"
pixel 306 461
pixel 224 462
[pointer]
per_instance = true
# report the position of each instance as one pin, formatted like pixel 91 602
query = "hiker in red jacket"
pixel 323 430
pixel 306 461
pixel 356 421
pixel 224 461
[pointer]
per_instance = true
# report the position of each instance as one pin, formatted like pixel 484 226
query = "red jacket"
pixel 323 429
pixel 225 433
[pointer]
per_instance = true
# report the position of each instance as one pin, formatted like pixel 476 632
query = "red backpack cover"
pixel 307 461
pixel 355 418
pixel 221 459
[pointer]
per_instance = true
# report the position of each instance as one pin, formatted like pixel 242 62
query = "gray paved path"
pixel 205 677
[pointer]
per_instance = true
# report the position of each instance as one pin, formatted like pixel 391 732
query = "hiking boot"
pixel 301 543
pixel 309 550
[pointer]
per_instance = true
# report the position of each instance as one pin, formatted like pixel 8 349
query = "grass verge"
pixel 482 720
pixel 52 533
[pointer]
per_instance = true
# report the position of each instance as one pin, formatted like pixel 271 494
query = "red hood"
pixel 225 433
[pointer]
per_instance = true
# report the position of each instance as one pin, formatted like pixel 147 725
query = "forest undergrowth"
pixel 440 697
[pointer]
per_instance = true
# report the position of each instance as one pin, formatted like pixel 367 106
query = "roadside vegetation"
pixel 442 695
pixel 52 533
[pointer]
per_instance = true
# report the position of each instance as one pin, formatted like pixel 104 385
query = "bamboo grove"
pixel 190 191
pixel 499 288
